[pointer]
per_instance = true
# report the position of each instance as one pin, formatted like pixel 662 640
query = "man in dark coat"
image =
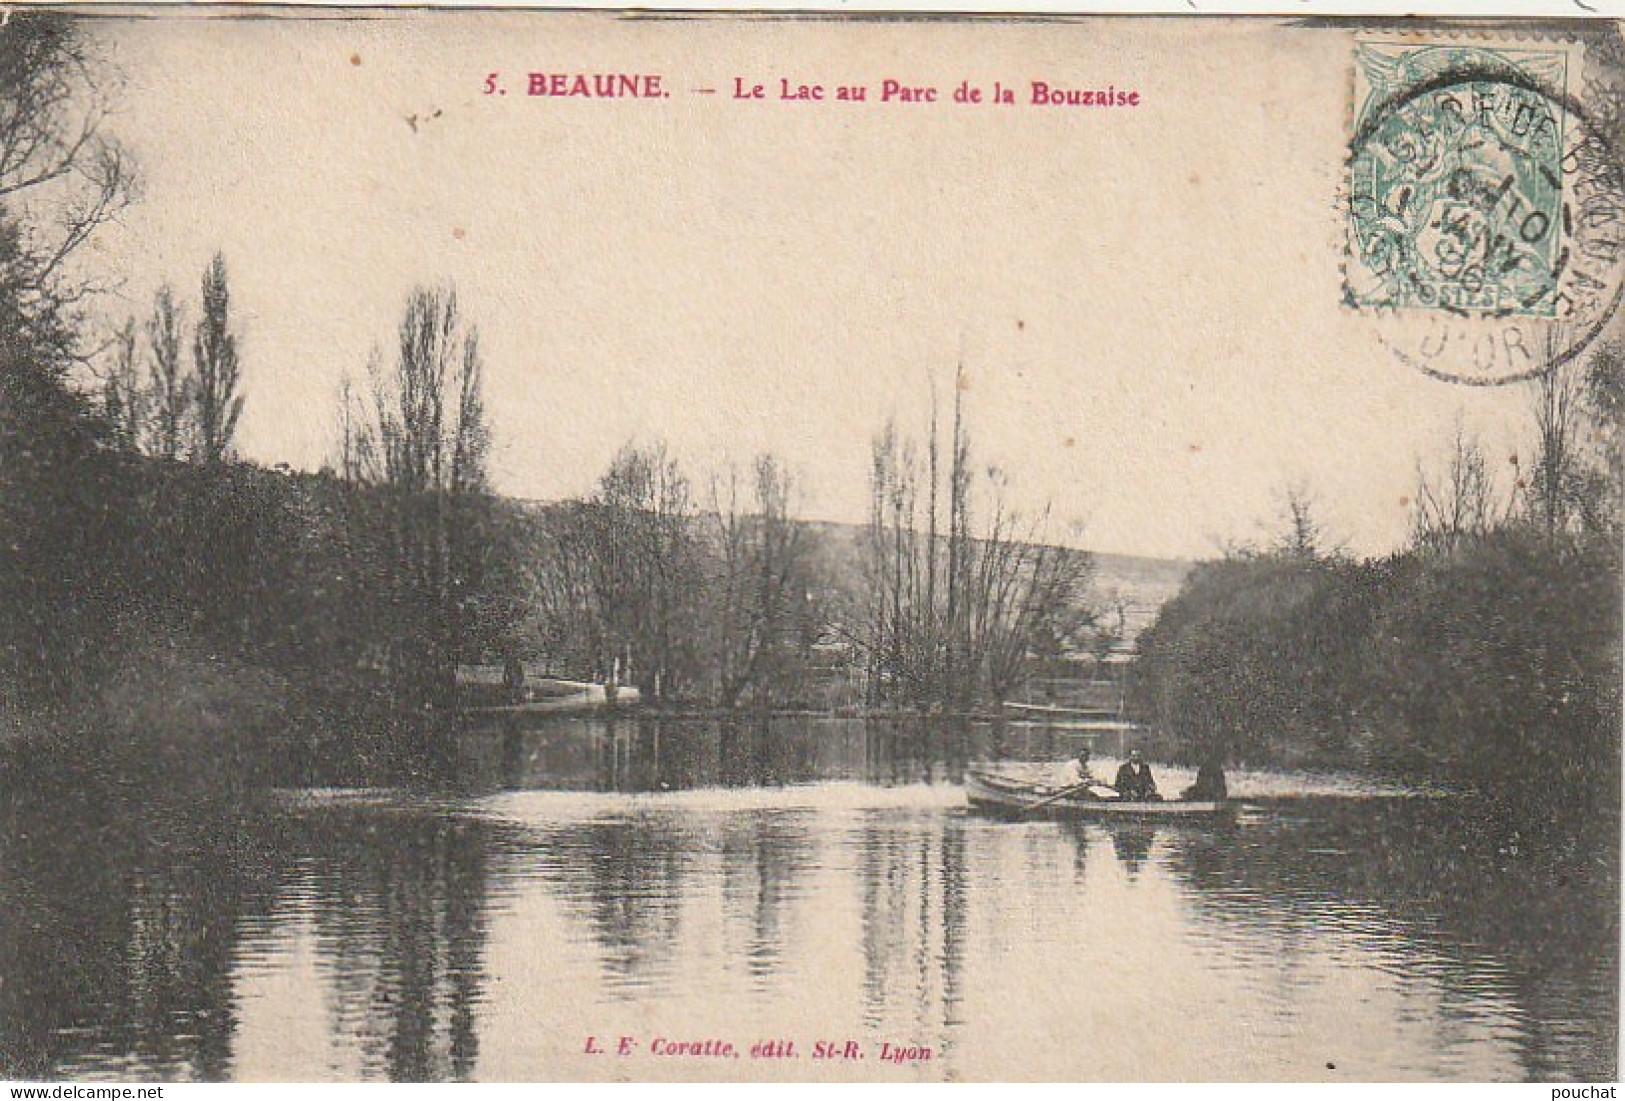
pixel 1134 782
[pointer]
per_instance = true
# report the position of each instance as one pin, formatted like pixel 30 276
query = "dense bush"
pixel 1495 665
pixel 295 573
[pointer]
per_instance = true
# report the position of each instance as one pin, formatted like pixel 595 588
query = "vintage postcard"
pixel 556 546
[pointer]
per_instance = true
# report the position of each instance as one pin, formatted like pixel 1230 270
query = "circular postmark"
pixel 1485 215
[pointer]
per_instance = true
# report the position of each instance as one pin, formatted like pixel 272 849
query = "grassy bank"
pixel 173 722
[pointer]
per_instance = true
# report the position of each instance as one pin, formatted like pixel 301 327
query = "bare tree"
pixel 1460 504
pixel 61 175
pixel 1302 536
pixel 646 567
pixel 959 657
pixel 898 638
pixel 564 591
pixel 761 583
pixel 1024 597
pixel 422 437
pixel 1557 404
pixel 124 394
pixel 954 620
pixel 168 385
pixel 1602 489
pixel 357 460
pixel 60 179
pixel 731 631
pixel 216 371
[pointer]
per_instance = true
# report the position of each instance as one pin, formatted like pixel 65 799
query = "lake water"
pixel 814 883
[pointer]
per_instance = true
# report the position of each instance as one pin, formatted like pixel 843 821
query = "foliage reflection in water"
pixel 577 881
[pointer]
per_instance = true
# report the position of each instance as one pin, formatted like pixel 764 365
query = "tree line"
pixel 715 598
pixel 726 595
pixel 1485 652
pixel 155 400
pixel 132 521
pixel 128 523
pixel 61 179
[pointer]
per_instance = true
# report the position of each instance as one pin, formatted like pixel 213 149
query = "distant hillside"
pixel 1140 585
pixel 1143 585
pixel 1137 584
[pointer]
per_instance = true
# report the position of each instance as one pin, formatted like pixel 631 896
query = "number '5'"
pixel 491 84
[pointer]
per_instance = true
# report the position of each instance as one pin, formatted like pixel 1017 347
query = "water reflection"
pixel 765 861
pixel 630 752
pixel 394 905
pixel 631 875
pixel 1395 876
pixel 116 954
pixel 911 875
pixel 679 878
pixel 1132 841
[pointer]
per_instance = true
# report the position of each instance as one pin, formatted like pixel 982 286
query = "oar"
pixel 1029 808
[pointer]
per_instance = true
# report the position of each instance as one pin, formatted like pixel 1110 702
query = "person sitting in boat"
pixel 1134 782
pixel 1075 774
pixel 1210 786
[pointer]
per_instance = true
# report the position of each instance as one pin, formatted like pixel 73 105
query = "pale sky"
pixel 1146 300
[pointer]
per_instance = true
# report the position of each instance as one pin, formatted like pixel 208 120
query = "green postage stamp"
pixel 1457 196
pixel 1483 198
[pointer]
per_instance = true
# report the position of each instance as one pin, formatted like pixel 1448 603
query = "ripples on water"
pixel 486 931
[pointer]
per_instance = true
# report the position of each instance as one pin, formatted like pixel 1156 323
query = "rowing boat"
pixel 997 793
